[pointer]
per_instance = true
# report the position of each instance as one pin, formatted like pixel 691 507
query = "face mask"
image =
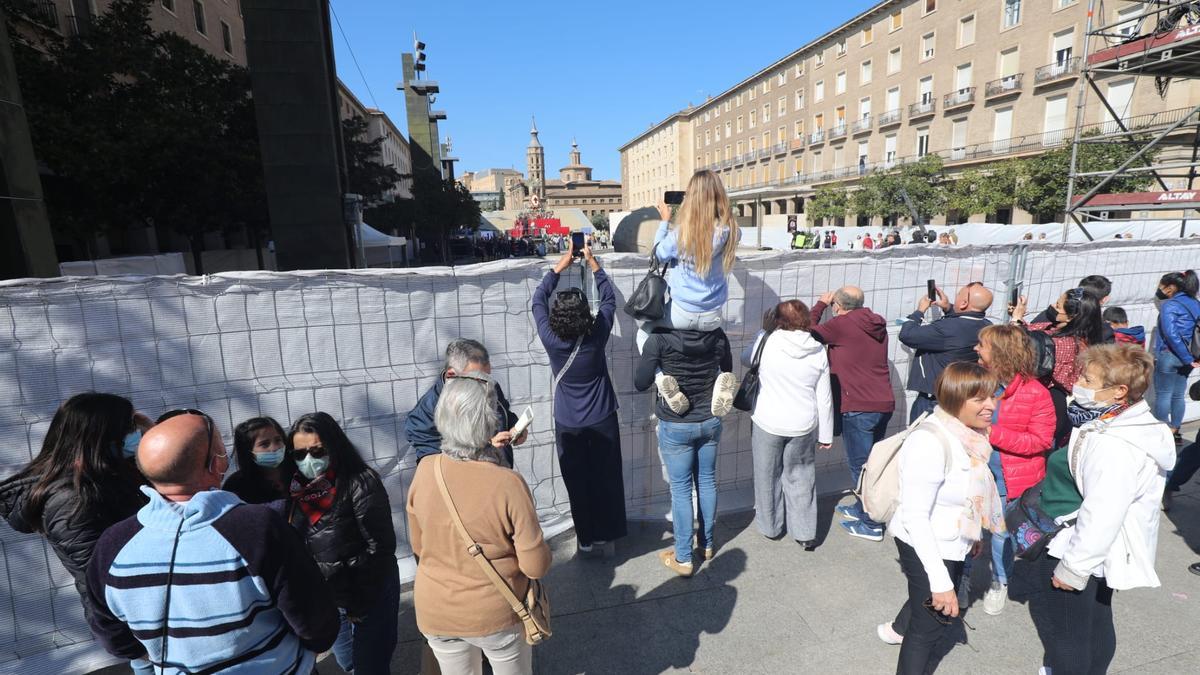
pixel 1086 398
pixel 1160 295
pixel 130 446
pixel 311 467
pixel 269 460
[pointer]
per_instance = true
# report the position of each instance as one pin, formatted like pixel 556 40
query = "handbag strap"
pixel 563 371
pixel 475 549
pixel 754 362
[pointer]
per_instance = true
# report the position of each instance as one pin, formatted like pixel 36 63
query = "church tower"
pixel 576 171
pixel 535 165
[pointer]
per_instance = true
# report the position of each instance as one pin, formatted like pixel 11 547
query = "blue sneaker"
pixel 850 511
pixel 857 528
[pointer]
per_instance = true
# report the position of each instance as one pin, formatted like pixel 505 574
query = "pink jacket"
pixel 1024 433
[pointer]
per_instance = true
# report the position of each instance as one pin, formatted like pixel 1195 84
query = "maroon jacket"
pixel 858 359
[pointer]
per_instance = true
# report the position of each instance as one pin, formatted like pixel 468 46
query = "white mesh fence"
pixel 364 345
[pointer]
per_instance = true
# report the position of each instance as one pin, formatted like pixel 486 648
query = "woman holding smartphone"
pixel 585 406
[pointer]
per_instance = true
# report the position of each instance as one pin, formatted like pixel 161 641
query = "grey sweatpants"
pixel 785 489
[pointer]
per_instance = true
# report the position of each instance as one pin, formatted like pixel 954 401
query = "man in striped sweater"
pixel 240 592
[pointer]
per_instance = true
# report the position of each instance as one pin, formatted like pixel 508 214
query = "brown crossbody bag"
pixel 534 612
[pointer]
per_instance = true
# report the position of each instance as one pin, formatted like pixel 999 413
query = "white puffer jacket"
pixel 1120 467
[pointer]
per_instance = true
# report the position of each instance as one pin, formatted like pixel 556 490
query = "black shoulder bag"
pixel 747 393
pixel 649 299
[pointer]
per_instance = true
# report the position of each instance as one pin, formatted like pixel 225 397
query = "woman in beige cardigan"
pixel 459 610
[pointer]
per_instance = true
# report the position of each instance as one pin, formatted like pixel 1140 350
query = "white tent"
pixel 370 237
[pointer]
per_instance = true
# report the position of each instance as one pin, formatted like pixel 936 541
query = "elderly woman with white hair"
pixel 459 610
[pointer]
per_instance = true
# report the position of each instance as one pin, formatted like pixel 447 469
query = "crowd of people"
pixel 1039 424
pixel 816 239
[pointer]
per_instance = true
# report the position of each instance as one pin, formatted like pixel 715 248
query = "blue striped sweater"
pixel 244 597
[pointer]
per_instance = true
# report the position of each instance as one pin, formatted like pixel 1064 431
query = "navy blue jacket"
pixel 938 344
pixel 423 435
pixel 1177 319
pixel 585 395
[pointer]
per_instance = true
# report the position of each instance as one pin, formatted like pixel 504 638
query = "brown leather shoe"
pixel 668 559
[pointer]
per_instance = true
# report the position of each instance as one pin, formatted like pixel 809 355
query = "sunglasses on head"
pixel 208 423
pixel 942 618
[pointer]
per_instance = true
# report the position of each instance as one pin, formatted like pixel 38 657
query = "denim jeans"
pixel 677 318
pixel 689 451
pixel 506 651
pixel 860 432
pixel 366 647
pixel 1170 388
pixel 1002 545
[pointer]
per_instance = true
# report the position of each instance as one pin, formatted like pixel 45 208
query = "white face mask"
pixel 311 467
pixel 1086 398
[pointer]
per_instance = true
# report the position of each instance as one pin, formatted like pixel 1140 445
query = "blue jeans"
pixel 677 318
pixel 861 431
pixel 366 647
pixel 1002 546
pixel 1170 387
pixel 689 451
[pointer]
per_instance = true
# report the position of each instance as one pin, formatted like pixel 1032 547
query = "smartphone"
pixel 1014 296
pixel 931 289
pixel 523 422
pixel 673 197
pixel 578 241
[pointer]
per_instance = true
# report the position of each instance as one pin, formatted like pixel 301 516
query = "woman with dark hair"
pixel 1173 360
pixel 793 416
pixel 339 505
pixel 84 480
pixel 586 430
pixel 264 469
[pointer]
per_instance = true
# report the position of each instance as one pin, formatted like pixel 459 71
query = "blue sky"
pixel 602 72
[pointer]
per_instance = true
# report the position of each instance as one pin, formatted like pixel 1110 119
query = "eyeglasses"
pixel 475 377
pixel 317 451
pixel 208 425
pixel 942 618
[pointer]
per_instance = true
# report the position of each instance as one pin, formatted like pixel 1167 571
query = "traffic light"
pixel 418 54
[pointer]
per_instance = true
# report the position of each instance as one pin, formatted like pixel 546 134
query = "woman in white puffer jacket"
pixel 1108 482
pixel 793 415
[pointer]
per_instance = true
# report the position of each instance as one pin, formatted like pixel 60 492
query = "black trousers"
pixel 1075 627
pixel 590 458
pixel 921 630
pixel 1186 466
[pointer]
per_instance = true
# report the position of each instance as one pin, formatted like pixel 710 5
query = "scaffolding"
pixel 1160 41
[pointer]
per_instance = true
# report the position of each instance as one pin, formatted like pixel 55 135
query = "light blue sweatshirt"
pixel 689 290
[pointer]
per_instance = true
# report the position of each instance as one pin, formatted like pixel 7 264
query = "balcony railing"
pixel 1057 71
pixel 962 97
pixel 779 149
pixel 861 125
pixel 44 12
pixel 922 108
pixel 890 117
pixel 798 143
pixel 837 132
pixel 816 137
pixel 1004 86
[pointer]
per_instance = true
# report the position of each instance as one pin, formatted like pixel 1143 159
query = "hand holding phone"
pixel 523 422
pixel 673 197
pixel 577 243
pixel 931 289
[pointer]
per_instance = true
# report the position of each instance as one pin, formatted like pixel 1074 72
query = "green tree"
pixel 366 175
pixel 828 203
pixel 137 128
pixel 600 221
pixel 983 191
pixel 1042 188
pixel 881 193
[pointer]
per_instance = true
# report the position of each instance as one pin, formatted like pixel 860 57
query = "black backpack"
pixel 1043 353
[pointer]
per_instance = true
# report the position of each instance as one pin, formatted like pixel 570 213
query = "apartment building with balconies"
pixel 657 160
pixel 973 81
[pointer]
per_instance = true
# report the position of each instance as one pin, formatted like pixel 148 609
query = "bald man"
pixel 940 343
pixel 862 388
pixel 241 592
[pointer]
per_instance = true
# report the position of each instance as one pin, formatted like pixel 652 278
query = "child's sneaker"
pixel 668 388
pixel 724 390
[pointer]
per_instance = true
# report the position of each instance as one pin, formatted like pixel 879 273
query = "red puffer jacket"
pixel 1024 433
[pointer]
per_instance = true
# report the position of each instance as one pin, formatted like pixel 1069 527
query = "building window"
pixel 798 128
pixel 1012 13
pixel 753 92
pixel 717 133
pixel 226 38
pixel 798 71
pixel 818 123
pixel 966 31
pixel 781 135
pixel 726 105
pixel 782 106
pixel 820 59
pixel 930 6
pixel 717 111
pixel 841 48
pixel 894 61
pixel 864 72
pixel 922 141
pixel 201 22
pixel 839 83
pixel 739 124
pixel 927 44
pixel 781 78
pixel 897 20
pixel 706 116
pixel 799 99
pixel 766 113
pixel 737 100
pixel 169 5
pixel 867 35
pixel 1129 27
pixel 819 91
pixel 926 88
pixel 727 130
pixel 766 86
pixel 753 119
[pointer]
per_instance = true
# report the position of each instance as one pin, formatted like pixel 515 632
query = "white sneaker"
pixel 994 599
pixel 668 388
pixel 888 634
pixel 1044 670
pixel 724 389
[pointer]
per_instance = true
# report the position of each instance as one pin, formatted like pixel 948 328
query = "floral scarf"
pixel 315 498
pixel 984 510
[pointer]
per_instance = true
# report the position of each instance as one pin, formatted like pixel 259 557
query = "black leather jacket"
pixel 70 531
pixel 354 543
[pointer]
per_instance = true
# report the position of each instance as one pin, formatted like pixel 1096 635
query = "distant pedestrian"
pixel 944 341
pixel 1178 317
